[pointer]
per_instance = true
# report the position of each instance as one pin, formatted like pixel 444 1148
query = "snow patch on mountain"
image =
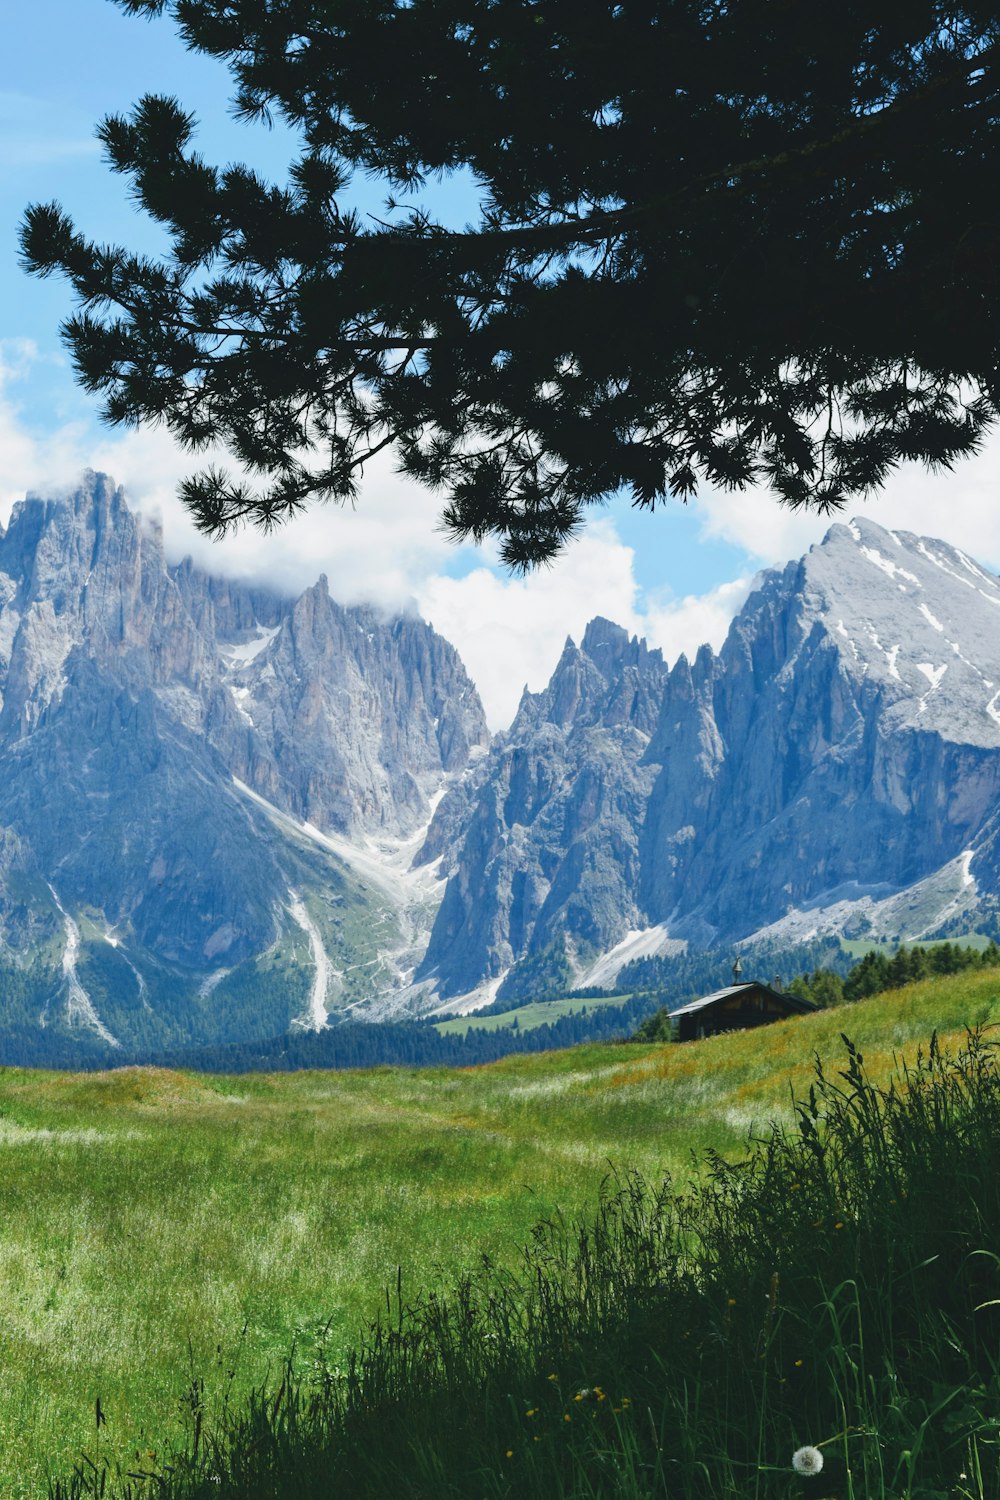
pixel 315 1016
pixel 645 942
pixel 891 569
pixel 904 916
pixel 238 654
pixel 79 1006
pixel 411 894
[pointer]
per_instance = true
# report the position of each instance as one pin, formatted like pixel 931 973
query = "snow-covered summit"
pixel 916 616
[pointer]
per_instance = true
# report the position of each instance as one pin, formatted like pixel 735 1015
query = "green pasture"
pixel 858 947
pixel 527 1017
pixel 160 1229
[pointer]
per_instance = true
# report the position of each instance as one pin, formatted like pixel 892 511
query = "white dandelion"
pixel 807 1460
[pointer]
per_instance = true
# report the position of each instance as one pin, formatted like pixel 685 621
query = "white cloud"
pixel 378 552
pixel 509 631
pixel 963 507
pixel 682 625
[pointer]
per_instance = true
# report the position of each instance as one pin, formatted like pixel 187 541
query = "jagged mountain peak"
pixel 913 618
pixel 603 640
pixel 845 738
pixel 609 677
pixel 191 765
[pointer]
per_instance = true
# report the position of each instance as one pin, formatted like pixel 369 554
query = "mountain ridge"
pixel 846 734
pixel 226 813
pixel 139 701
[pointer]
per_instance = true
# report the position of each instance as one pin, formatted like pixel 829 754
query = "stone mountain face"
pixel 838 761
pixel 185 767
pixel 552 822
pixel 850 732
pixel 224 813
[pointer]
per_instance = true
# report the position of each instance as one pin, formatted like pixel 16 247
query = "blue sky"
pixel 676 576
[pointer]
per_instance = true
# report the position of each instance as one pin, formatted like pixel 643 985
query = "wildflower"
pixel 807 1460
pixel 567 1417
pixel 626 1401
pixel 509 1453
pixel 552 1377
pixel 731 1302
pixel 839 1224
pixel 532 1412
pixel 798 1364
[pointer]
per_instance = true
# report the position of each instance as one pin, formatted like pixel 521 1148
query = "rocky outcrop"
pixel 847 735
pixel 550 822
pixel 842 747
pixel 142 706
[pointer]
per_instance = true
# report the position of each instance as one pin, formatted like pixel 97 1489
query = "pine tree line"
pixel 877 972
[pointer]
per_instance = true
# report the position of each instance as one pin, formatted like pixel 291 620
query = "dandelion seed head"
pixel 807 1460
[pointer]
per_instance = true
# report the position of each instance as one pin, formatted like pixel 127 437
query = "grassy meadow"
pixel 166 1237
pixel 527 1017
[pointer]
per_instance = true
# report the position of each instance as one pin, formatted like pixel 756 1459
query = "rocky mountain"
pixel 225 813
pixel 206 790
pixel 550 828
pixel 836 766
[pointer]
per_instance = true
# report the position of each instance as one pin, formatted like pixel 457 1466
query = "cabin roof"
pixel 794 1002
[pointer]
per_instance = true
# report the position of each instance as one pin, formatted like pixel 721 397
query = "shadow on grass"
pixel 834 1296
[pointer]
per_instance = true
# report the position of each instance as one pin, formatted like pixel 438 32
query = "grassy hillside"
pixel 161 1228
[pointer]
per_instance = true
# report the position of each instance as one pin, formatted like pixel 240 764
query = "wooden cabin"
pixel 736 1008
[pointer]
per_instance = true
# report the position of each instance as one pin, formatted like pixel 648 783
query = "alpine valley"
pixel 227 814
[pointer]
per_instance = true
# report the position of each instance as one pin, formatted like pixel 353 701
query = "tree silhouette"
pixel 718 241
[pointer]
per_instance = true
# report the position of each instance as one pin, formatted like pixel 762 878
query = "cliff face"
pixel 141 709
pixel 839 753
pixel 853 731
pixel 551 822
pixel 223 812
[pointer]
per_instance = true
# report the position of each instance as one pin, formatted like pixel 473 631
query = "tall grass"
pixel 837 1289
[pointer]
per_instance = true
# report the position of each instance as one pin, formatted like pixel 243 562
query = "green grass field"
pixel 161 1228
pixel 527 1016
pixel 858 947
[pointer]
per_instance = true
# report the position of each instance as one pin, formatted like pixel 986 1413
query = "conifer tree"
pixel 721 243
